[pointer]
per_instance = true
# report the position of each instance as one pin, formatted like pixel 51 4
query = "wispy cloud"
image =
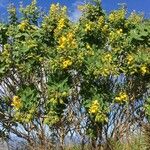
pixel 3 3
pixel 75 13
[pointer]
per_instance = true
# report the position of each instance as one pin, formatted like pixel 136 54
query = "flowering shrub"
pixel 58 77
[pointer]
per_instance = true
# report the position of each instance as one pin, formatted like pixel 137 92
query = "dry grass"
pixel 136 142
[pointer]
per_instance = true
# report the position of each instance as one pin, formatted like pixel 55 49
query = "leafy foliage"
pixel 89 77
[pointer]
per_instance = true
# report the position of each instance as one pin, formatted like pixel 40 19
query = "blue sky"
pixel 142 6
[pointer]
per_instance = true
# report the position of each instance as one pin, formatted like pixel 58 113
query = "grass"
pixel 134 142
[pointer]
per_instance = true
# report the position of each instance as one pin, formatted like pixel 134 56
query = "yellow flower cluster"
pixel 23 25
pixel 57 97
pixel 88 46
pixel 16 102
pixel 101 21
pixel 6 52
pixel 57 11
pixel 90 51
pixel 115 35
pixel 64 94
pixel 107 58
pixel 56 100
pixel 119 31
pixel 60 26
pixel 105 72
pixel 117 15
pixel 89 26
pixel 61 23
pixel 101 117
pixel 67 41
pixel 122 97
pixel 24 117
pixel 144 70
pixel 102 71
pixel 94 107
pixel 54 8
pixel 129 59
pixel 66 63
pixel 133 19
pixel 105 28
pixel 62 42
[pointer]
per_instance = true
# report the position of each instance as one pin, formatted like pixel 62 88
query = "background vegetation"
pixel 87 80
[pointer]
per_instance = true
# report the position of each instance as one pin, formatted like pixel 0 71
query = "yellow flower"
pixel 94 107
pixel 105 72
pixel 62 42
pixel 101 21
pixel 70 36
pixel 122 97
pixel 111 17
pixel 88 46
pixel 53 100
pixel 61 23
pixel 22 26
pixel 133 19
pixel 67 41
pixel 117 15
pixel 117 98
pixel 101 117
pixel 129 59
pixel 16 102
pixel 54 7
pixel 73 44
pixel 105 28
pixel 87 27
pixel 108 58
pixel 144 69
pixel 66 63
pixel 119 31
pixel 64 94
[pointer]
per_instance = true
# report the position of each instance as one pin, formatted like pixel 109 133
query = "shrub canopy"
pixel 60 78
